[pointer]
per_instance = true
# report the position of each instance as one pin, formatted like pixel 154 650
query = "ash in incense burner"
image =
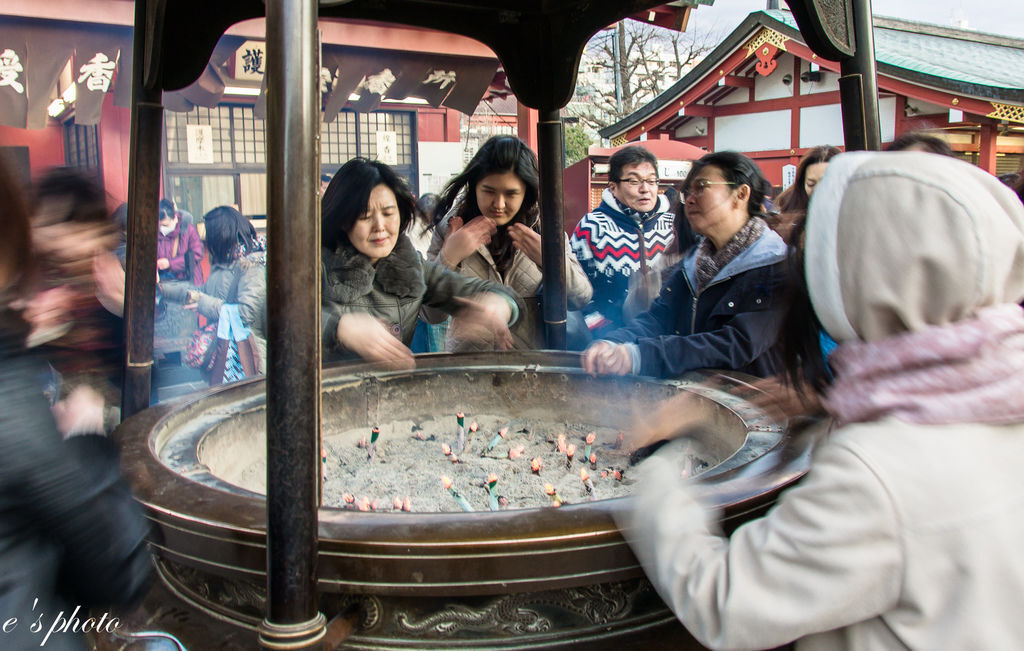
pixel 422 570
pixel 412 457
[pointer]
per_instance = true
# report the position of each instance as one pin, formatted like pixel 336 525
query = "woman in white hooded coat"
pixel 906 532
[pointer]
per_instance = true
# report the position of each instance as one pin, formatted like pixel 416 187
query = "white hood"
pixel 899 241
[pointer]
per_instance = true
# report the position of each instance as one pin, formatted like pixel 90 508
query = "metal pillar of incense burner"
pixel 526 578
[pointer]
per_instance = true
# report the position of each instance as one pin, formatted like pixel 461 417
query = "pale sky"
pixel 1004 17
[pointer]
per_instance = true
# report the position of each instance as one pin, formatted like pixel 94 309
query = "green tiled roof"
pixel 955 54
pixel 961 61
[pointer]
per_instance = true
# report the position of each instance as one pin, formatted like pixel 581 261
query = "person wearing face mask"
pixel 179 249
pixel 623 237
pixel 721 307
pixel 490 231
pixel 374 281
pixel 178 254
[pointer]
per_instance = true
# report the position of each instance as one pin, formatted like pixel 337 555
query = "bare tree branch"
pixel 648 60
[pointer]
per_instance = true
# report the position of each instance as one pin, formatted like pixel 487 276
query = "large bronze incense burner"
pixel 518 578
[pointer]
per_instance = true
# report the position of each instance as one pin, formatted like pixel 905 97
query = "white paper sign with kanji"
pixel 387 147
pixel 250 60
pixel 200 143
pixel 788 175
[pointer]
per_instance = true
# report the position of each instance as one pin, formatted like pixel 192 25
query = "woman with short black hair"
pixel 374 282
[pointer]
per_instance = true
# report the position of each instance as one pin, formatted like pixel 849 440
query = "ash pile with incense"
pixel 489 463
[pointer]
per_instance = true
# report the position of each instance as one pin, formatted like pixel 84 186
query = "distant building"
pixel 763 92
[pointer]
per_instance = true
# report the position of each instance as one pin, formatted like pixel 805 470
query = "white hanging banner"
pixel 387 147
pixel 200 143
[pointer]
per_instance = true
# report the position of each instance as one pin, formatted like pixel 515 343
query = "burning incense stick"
pixel 593 461
pixel 591 437
pixel 516 452
pixel 502 433
pixel 492 481
pixel 587 484
pixel 535 465
pixel 460 434
pixel 556 500
pixel 569 452
pixel 371 448
pixel 456 495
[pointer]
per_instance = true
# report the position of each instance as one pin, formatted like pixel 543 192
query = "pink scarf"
pixel 971 371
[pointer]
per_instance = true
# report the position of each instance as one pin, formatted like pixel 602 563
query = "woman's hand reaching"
pixel 482 320
pixel 369 338
pixel 606 358
pixel 526 240
pixel 463 240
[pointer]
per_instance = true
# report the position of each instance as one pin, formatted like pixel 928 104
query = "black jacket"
pixel 732 324
pixel 70 532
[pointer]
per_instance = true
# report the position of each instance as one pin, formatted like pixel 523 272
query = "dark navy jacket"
pixel 732 324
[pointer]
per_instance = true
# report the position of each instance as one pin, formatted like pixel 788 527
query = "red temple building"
pixel 763 92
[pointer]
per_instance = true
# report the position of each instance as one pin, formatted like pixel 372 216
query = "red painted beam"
pixel 815 99
pixel 987 148
pixel 736 81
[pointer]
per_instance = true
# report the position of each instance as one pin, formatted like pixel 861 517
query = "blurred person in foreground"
pixel 905 532
pixel 374 281
pixel 82 283
pixel 70 532
pixel 721 307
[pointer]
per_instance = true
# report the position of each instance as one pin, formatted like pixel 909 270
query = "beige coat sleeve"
pixel 826 556
pixel 578 289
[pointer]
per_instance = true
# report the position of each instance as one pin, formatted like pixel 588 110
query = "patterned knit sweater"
pixel 607 242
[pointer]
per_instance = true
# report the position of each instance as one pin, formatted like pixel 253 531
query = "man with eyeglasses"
pixel 624 236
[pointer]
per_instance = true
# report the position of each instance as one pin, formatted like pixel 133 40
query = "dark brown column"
pixel 143 198
pixel 550 151
pixel 858 85
pixel 293 620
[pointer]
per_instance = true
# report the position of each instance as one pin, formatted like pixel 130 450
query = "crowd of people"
pixel 881 289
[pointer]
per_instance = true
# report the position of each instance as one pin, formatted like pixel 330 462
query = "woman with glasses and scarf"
pixel 720 309
pixel 490 231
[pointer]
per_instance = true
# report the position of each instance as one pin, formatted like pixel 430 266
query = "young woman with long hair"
pixel 491 231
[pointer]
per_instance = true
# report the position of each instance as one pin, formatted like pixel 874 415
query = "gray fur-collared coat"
pixel 393 290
